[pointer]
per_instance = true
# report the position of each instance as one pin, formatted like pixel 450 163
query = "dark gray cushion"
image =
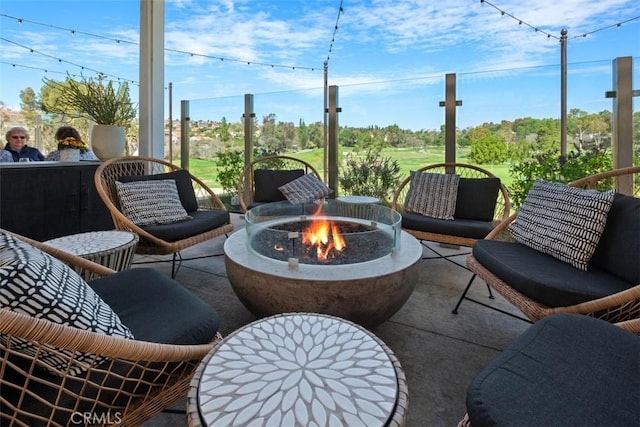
pixel 565 370
pixel 200 222
pixel 618 250
pixel 157 308
pixel 183 183
pixel 477 198
pixel 543 278
pixel 267 181
pixel 457 227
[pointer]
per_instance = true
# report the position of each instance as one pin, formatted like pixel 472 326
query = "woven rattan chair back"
pixel 246 187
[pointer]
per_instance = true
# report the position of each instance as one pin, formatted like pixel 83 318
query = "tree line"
pixel 514 141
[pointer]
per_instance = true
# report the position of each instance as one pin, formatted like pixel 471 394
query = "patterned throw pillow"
pixel 151 202
pixel 37 284
pixel 562 221
pixel 432 194
pixel 305 189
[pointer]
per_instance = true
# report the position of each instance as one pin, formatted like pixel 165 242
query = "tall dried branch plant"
pixel 91 98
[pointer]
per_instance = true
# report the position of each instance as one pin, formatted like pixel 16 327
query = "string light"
pixel 31 50
pixel 335 30
pixel 118 41
pixel 64 72
pixel 521 22
pixel 616 25
pixel 243 61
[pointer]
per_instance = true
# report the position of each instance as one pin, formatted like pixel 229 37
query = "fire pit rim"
pixel 408 253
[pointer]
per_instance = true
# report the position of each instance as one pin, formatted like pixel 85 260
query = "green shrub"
pixel 549 167
pixel 230 164
pixel 371 175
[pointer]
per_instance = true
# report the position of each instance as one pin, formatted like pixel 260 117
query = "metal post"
pixel 184 134
pixel 37 133
pixel 450 103
pixel 622 119
pixel 248 128
pixel 170 122
pixel 563 94
pixel 325 157
pixel 247 119
pixel 333 130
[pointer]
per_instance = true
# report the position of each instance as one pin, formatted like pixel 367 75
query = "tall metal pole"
pixel 563 94
pixel 334 130
pixel 450 104
pixel 170 122
pixel 184 134
pixel 325 158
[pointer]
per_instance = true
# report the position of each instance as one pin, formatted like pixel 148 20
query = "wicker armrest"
pixel 136 381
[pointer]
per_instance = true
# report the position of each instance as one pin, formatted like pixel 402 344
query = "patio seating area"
pixel 435 353
pixel 440 352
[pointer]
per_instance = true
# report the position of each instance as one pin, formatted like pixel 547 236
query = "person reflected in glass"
pixel 17 138
pixel 69 137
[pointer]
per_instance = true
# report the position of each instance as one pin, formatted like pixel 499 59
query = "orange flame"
pixel 324 236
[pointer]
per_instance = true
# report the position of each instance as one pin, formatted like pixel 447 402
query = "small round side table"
pixel 112 248
pixel 299 369
pixel 357 206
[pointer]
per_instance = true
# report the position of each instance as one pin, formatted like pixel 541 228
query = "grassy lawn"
pixel 408 159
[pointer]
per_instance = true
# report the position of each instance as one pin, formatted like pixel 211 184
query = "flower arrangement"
pixel 71 142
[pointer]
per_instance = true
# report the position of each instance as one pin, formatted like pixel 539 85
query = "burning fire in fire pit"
pixel 324 236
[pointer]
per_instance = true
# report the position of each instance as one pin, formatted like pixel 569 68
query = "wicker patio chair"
pixel 616 307
pixel 435 230
pixel 210 215
pixel 290 168
pixel 138 380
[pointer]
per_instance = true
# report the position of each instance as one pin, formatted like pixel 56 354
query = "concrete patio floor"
pixel 440 352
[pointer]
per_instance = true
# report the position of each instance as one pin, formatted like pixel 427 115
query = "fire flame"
pixel 324 236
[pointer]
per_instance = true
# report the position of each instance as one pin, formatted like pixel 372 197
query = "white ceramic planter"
pixel 107 141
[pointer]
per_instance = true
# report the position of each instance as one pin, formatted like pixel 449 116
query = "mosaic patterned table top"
pixel 298 369
pixel 93 242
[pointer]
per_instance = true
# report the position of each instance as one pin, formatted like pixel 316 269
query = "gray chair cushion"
pixel 470 228
pixel 618 250
pixel 544 278
pixel 200 222
pixel 477 198
pixel 157 308
pixel 267 181
pixel 565 370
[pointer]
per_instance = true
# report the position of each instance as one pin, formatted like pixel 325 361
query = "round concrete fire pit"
pixel 367 292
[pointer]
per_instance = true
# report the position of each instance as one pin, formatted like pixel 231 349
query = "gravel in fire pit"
pixel 363 243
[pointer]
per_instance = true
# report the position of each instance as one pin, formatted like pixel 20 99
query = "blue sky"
pixel 388 58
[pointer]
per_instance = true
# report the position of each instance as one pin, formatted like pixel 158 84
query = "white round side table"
pixel 112 248
pixel 357 206
pixel 299 369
